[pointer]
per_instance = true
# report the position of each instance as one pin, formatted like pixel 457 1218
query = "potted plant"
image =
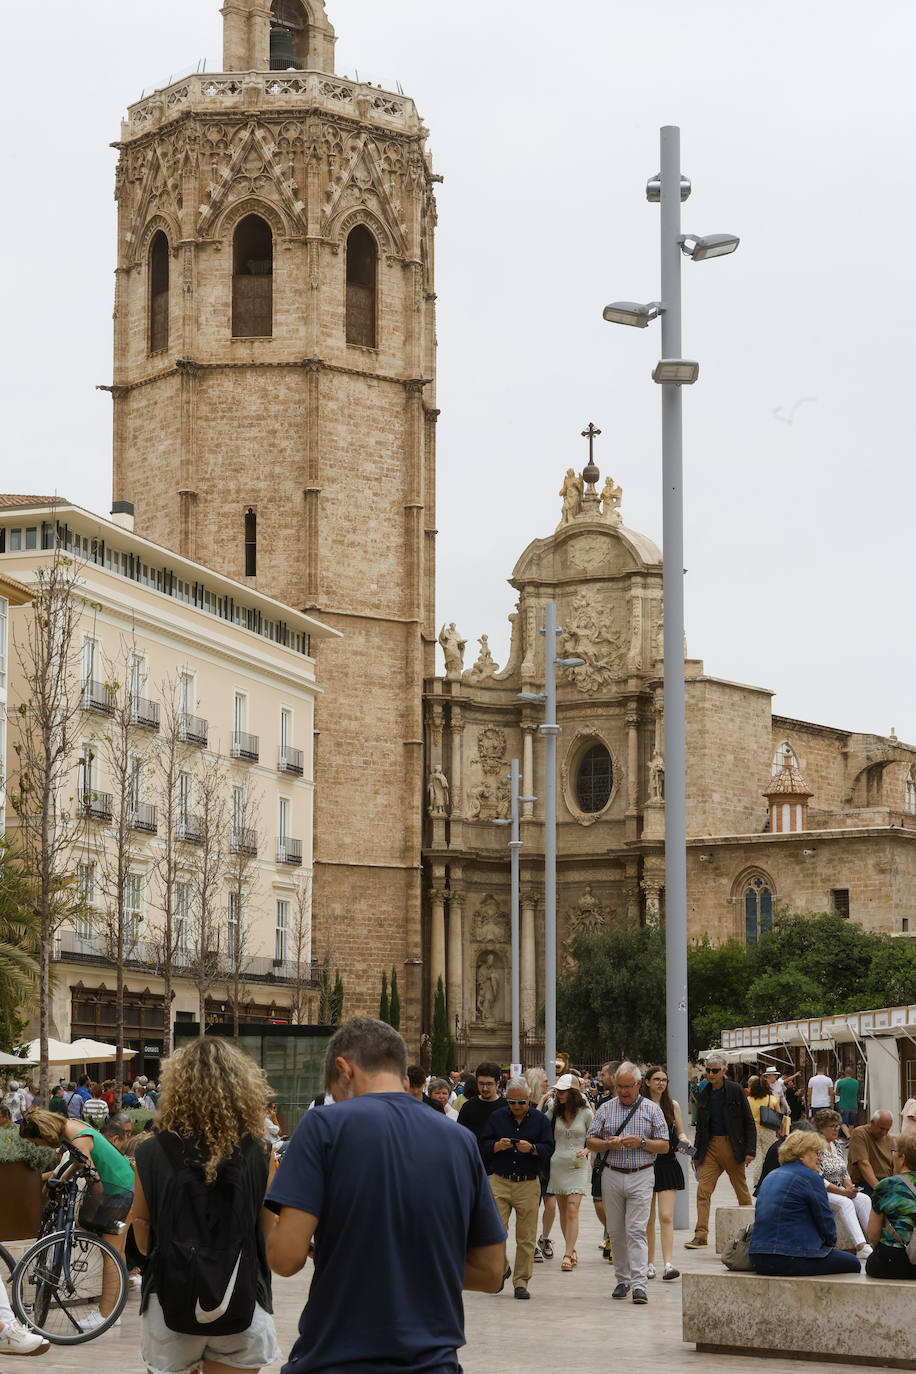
pixel 22 1164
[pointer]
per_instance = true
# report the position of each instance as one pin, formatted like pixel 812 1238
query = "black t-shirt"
pixel 154 1170
pixel 476 1113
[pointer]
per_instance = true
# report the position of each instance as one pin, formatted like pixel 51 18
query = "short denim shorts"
pixel 164 1351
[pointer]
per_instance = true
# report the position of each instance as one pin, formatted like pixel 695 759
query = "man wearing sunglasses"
pixel 516 1144
pixel 725 1141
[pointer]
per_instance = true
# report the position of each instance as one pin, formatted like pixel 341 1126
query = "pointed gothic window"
pixel 159 293
pixel 252 279
pixel 362 264
pixel 758 911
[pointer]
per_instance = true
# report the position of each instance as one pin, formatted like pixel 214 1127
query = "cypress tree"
pixel 394 1006
pixel 383 1014
pixel 442 1049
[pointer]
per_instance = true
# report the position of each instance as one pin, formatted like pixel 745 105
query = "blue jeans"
pixel 848 1118
pixel 792 1266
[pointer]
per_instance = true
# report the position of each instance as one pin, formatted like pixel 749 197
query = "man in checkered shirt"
pixel 628 1175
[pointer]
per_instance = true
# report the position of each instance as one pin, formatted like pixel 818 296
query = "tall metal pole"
pixel 673 545
pixel 515 845
pixel 550 730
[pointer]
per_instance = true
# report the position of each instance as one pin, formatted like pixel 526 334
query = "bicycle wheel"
pixel 7 1265
pixel 58 1282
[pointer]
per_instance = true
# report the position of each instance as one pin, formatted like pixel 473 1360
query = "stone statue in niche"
pixel 437 790
pixel 453 648
pixel 571 492
pixel 656 777
pixel 489 987
pixel 485 667
pixel 611 496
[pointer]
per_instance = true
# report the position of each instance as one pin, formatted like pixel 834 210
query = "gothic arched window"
pixel 909 801
pixel 758 910
pixel 362 265
pixel 159 293
pixel 594 780
pixel 784 754
pixel 252 279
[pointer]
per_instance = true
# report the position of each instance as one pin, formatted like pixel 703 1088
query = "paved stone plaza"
pixel 572 1313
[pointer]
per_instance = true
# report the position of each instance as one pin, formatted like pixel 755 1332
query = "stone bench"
pixel 731 1220
pixel 842 1317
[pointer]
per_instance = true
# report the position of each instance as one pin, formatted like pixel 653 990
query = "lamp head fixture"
pixel 569 662
pixel 698 246
pixel 654 188
pixel 632 312
pixel 676 372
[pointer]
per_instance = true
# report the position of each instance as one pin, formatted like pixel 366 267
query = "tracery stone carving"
pixel 491 924
pixel 485 667
pixel 489 798
pixel 592 732
pixel 588 634
pixel 491 749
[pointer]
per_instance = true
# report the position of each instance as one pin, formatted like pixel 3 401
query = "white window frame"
pixel 182 915
pixel 85 882
pixel 281 930
pixel 134 885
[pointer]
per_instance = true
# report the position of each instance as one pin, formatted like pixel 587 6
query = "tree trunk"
pixel 167 1009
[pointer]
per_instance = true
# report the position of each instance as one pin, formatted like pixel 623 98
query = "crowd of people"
pixel 215 1198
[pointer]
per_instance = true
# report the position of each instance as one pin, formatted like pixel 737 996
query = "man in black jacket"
pixel 725 1141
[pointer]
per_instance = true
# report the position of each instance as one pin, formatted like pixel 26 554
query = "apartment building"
pixel 192 703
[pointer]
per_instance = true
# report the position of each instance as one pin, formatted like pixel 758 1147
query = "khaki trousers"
pixel 524 1199
pixel 718 1160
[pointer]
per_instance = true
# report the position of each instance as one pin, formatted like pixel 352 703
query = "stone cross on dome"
pixel 590 474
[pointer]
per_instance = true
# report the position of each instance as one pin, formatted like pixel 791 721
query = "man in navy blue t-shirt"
pixel 365 1178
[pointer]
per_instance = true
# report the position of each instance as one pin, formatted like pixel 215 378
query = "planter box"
pixel 20 1202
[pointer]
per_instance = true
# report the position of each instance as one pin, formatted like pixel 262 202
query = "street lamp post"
pixel 549 730
pixel 673 372
pixel 515 845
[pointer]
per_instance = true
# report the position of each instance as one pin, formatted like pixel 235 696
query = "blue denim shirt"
pixel 793 1216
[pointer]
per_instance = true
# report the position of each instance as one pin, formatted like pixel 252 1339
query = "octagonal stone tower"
pixel 274 413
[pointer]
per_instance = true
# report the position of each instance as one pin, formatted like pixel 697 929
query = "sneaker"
pixel 650 1271
pixel 538 1257
pixel 698 1243
pixel 671 1272
pixel 546 1247
pixel 863 1252
pixel 640 1295
pixel 19 1340
pixel 522 1292
pixel 94 1318
pixel 621 1290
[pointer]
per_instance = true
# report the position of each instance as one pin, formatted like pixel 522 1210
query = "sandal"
pixel 575 1258
pixel 568 1264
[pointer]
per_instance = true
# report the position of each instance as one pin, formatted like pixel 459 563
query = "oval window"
pixel 594 779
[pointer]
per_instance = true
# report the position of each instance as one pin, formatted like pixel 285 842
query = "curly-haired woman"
pixel 211 1110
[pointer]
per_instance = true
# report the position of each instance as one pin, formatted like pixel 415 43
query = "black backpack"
pixel 205 1261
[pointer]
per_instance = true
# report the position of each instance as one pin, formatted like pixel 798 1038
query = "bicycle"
pixel 58 1281
pixel 7 1265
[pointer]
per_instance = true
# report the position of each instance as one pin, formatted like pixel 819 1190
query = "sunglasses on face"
pixel 517 1101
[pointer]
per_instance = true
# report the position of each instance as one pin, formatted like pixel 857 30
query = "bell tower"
pixel 274 415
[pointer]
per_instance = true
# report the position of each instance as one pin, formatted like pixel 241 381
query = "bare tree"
pixel 168 935
pixel 49 820
pixel 300 951
pixel 241 874
pixel 124 751
pixel 207 867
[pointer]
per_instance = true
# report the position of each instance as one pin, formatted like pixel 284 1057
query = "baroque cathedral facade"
pixel 275 418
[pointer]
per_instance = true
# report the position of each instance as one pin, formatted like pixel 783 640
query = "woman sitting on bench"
pixel 794 1230
pixel 893 1217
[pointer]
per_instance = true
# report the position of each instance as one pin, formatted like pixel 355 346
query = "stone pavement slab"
pixel 569 1320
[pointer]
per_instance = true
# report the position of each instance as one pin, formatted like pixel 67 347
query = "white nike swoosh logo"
pixel 202 1314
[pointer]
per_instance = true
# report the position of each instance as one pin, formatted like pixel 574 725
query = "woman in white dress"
pixel 570 1176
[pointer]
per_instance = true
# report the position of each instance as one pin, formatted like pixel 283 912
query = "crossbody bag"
pixel 602 1159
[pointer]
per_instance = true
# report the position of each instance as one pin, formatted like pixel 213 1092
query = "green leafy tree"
pixel 779 996
pixel 615 1001
pixel 442 1047
pixel 383 1010
pixel 394 1006
pixel 18 948
pixel 891 976
pixel 337 999
pixel 718 977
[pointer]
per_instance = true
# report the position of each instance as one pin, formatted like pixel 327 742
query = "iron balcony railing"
pixel 98 806
pixel 95 948
pixel 290 760
pixel 144 713
pixel 245 746
pixel 289 851
pixel 190 829
pixel 242 840
pixel 143 817
pixel 98 696
pixel 192 729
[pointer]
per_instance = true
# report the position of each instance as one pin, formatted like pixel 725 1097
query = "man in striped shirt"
pixel 628 1132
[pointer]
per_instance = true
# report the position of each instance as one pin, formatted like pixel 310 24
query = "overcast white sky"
pixel 796 125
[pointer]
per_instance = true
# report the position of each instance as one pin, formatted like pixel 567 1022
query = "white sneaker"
pixel 863 1252
pixel 650 1271
pixel 135 1282
pixel 94 1318
pixel 16 1339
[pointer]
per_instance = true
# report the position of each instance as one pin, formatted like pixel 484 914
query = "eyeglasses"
pixel 517 1101
pixel 714 1070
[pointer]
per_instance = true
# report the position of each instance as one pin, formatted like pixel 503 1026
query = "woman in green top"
pixel 893 1218
pixel 106 1201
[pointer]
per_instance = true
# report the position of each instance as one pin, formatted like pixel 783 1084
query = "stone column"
pixel 436 944
pixel 453 995
pixel 528 769
pixel 457 787
pixel 527 970
pixel 652 888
